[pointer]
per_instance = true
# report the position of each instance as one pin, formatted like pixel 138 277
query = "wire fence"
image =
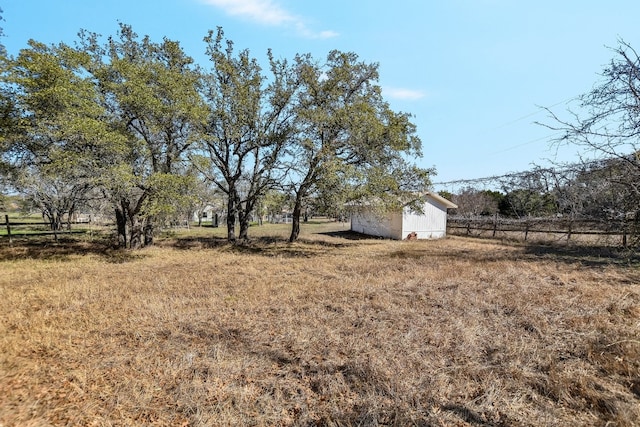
pixel 12 229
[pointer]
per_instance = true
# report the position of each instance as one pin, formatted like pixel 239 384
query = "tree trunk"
pixel 148 231
pixel 57 221
pixel 243 220
pixel 51 220
pixel 295 223
pixel 231 217
pixel 244 216
pixel 135 240
pixel 121 225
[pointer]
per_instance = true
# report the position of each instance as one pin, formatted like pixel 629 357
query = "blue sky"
pixel 472 72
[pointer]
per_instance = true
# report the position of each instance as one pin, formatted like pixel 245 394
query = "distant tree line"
pixel 579 190
pixel 599 191
pixel 133 126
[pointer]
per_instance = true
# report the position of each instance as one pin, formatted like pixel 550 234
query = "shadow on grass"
pixel 585 256
pixel 268 246
pixel 350 235
pixel 589 256
pixel 307 246
pixel 472 417
pixel 65 249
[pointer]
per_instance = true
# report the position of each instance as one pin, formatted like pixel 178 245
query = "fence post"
pixel 6 219
pixel 526 230
pixel 495 224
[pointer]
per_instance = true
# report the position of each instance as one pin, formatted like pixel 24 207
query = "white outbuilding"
pixel 431 223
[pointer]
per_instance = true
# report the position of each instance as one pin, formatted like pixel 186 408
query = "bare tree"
pixel 473 202
pixel 605 124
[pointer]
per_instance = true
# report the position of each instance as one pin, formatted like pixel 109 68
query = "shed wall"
pixel 431 224
pixel 388 226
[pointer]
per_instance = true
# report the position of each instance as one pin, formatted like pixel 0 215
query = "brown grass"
pixel 331 331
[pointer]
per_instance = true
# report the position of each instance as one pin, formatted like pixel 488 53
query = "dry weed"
pixel 332 330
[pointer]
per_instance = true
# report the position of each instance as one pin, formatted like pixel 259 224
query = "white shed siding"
pixel 431 224
pixel 389 226
pixel 396 226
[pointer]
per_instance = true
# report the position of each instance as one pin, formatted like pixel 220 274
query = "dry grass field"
pixel 334 330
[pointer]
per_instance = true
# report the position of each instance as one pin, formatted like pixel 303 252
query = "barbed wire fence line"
pixel 567 170
pixel 594 197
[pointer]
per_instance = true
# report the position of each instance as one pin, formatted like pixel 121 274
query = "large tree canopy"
pixel 348 135
pixel 136 123
pixel 150 91
pixel 58 135
pixel 250 120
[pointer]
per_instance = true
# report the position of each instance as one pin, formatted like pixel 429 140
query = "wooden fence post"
pixel 6 219
pixel 495 224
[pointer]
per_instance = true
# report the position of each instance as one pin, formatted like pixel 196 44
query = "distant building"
pixel 403 224
pixel 208 214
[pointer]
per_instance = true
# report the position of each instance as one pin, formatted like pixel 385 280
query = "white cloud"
pixel 268 12
pixel 306 32
pixel 262 11
pixel 404 94
pixel 327 34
